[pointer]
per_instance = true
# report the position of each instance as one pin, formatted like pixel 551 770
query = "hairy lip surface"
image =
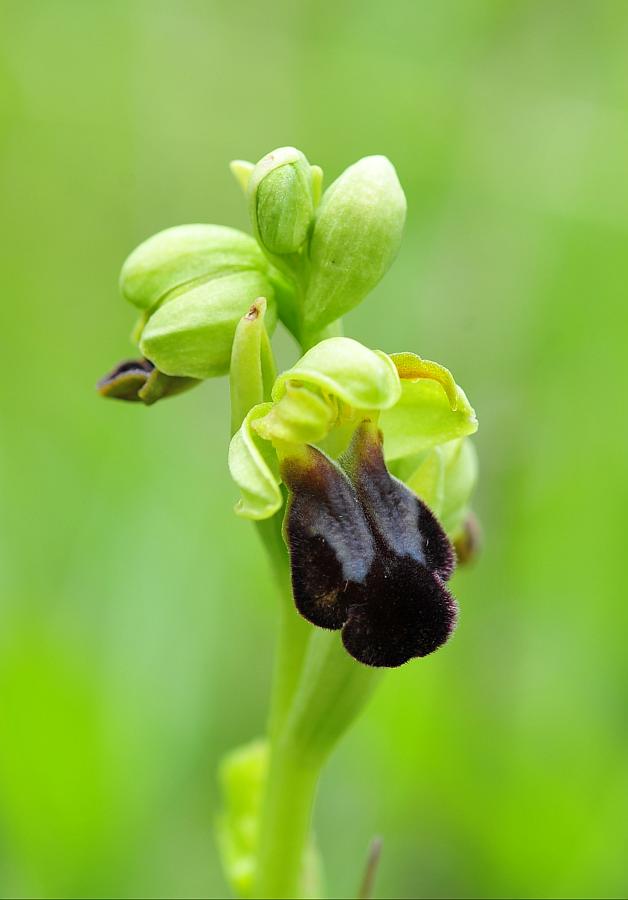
pixel 367 556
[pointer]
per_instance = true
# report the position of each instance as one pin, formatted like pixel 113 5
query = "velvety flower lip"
pixel 367 556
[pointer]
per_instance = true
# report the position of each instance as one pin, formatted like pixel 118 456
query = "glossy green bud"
pixel 357 233
pixel 281 202
pixel 183 256
pixel 192 333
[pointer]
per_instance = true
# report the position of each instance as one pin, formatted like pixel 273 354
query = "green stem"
pixel 318 690
pixel 293 630
pixel 285 825
pixel 333 688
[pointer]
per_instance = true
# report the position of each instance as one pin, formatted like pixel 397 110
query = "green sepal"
pixel 445 479
pixel 252 371
pixel 432 410
pixel 317 184
pixel 461 475
pixel 254 468
pixel 427 479
pixel 185 255
pixel 241 170
pixel 356 235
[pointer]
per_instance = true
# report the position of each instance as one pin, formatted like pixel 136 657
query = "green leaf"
pixel 254 468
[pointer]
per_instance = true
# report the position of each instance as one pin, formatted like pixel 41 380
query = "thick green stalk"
pixel 333 689
pixel 293 630
pixel 285 825
pixel 318 691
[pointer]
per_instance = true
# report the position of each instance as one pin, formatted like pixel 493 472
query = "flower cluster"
pixel 371 450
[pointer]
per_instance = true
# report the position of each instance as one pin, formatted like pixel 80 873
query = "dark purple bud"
pixel 138 381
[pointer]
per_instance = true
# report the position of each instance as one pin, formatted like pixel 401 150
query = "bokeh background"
pixel 137 619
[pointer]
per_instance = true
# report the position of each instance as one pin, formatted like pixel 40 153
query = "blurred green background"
pixel 137 621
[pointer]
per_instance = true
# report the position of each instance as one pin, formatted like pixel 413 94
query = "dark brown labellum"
pixel 367 555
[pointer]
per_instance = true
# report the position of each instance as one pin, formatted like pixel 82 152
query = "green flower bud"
pixel 281 202
pixel 357 233
pixel 192 333
pixel 185 255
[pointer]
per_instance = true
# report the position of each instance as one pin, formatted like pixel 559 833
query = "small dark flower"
pixel 367 555
pixel 137 380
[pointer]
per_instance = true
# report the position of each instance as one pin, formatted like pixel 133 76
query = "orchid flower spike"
pixel 368 556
